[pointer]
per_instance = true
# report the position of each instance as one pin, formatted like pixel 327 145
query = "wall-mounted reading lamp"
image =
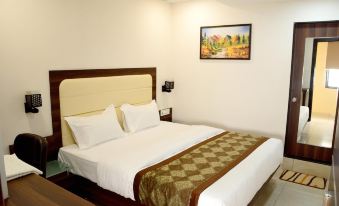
pixel 168 86
pixel 32 101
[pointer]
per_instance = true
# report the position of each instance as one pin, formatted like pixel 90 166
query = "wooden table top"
pixel 33 190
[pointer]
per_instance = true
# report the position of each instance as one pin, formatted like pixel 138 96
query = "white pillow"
pixel 95 129
pixel 136 118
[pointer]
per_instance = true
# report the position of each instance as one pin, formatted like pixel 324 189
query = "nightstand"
pixel 57 173
pixel 35 190
pixel 166 114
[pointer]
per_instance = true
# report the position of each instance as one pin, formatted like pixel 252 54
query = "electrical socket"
pixel 164 112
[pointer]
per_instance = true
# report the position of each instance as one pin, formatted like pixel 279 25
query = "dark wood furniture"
pixel 58 173
pixel 167 117
pixel 33 190
pixel 56 77
pixel 32 149
pixel 77 184
pixel 293 149
pixel 99 196
pixel 65 180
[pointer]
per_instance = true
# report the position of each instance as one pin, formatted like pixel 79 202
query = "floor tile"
pixel 319 131
pixel 311 168
pixel 298 196
pixel 311 190
pixel 269 194
pixel 277 192
pixel 287 163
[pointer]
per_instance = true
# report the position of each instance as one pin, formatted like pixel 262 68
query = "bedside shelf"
pixel 167 117
pixel 54 168
pixel 58 173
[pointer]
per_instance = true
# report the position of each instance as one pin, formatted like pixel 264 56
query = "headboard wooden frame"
pixel 57 76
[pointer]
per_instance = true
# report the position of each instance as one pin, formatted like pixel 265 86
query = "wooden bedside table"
pixel 35 190
pixel 58 174
pixel 166 117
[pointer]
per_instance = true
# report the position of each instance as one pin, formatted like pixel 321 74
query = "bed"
pixel 115 164
pixel 303 119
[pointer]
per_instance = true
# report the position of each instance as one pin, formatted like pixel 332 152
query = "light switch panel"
pixel 164 112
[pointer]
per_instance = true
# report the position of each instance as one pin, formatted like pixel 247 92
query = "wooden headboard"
pixel 55 79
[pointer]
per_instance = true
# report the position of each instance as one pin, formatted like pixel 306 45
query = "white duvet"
pixel 118 162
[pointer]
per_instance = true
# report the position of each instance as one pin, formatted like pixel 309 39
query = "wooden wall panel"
pixel 56 77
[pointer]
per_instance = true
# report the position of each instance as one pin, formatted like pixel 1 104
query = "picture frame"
pixel 231 42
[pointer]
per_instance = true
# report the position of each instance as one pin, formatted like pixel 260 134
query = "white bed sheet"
pixel 78 163
pixel 113 165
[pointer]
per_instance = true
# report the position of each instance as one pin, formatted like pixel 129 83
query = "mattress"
pixel 303 119
pixel 126 156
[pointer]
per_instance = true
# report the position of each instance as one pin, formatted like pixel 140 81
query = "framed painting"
pixel 226 42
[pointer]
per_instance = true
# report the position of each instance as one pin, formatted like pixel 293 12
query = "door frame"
pixel 293 149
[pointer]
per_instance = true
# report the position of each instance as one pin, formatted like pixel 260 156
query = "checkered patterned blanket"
pixel 179 180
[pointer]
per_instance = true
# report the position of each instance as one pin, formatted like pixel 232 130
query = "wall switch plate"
pixel 164 112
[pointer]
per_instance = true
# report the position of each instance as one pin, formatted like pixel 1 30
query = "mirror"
pixel 319 92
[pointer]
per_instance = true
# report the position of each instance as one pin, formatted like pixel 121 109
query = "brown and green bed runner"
pixel 180 179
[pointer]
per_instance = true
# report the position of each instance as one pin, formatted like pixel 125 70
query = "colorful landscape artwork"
pixel 226 42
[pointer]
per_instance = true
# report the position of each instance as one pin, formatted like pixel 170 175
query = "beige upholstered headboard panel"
pixel 86 96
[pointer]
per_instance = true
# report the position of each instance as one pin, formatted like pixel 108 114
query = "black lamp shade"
pixel 32 101
pixel 169 85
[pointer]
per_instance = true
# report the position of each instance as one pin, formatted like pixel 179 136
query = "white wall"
pixel 307 63
pixel 242 95
pixel 332 61
pixel 41 35
pixel 324 99
pixel 3 179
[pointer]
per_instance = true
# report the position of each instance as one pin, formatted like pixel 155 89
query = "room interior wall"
pixel 324 99
pixel 3 181
pixel 41 35
pixel 243 95
pixel 332 60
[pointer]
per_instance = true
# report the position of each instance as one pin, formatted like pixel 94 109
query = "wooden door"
pixel 293 149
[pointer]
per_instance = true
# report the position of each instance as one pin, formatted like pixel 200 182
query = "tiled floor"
pixel 306 167
pixel 281 193
pixel 319 131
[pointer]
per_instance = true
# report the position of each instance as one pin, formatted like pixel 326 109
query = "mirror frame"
pixel 303 30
